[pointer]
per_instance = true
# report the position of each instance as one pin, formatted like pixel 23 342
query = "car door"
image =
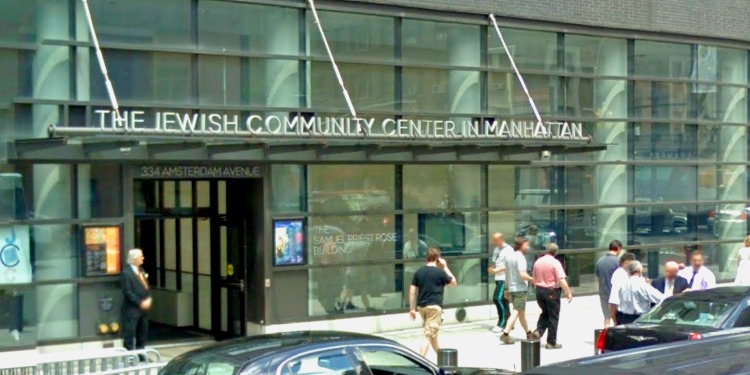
pixel 392 360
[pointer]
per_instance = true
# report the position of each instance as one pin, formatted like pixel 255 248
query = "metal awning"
pixel 155 149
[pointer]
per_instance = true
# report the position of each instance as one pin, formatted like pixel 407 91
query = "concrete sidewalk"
pixel 478 347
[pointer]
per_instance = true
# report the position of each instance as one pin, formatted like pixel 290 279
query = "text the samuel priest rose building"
pixel 222 124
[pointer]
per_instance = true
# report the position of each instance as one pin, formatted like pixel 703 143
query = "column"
pixel 610 100
pixel 55 256
pixel 732 148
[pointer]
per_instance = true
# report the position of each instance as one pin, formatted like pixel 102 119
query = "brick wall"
pixel 726 19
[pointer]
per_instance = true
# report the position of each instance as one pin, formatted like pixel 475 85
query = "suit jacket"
pixel 680 284
pixel 133 292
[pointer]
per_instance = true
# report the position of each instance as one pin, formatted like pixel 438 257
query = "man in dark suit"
pixel 670 283
pixel 136 302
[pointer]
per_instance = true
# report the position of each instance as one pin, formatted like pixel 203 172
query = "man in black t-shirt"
pixel 427 286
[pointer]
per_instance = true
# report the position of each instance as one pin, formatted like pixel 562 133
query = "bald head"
pixel 498 240
pixel 670 270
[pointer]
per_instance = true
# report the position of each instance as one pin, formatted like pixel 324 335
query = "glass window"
pixel 732 66
pixel 507 97
pixel 99 191
pixel 662 100
pixel 287 188
pixel 230 26
pixel 440 43
pixel 386 361
pixel 530 49
pixel 57 311
pixel 580 189
pixel 673 141
pixel 352 35
pixel 371 87
pixel 663 60
pixel 470 274
pixel 348 239
pixel 355 289
pixel 441 187
pixel 18 309
pixel 334 362
pixel 453 233
pixel 349 188
pixel 600 98
pixel 54 248
pixel 145 77
pixel 143 22
pixel 689 312
pixel 18 20
pixel 595 55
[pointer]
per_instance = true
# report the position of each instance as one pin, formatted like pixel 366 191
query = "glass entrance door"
pixel 230 280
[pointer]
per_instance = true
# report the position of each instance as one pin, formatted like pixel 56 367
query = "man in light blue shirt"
pixel 636 295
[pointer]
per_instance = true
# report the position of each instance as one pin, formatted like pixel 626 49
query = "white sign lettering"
pixel 223 124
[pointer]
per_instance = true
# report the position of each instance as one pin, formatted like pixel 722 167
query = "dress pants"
pixel 549 301
pixel 134 331
pixel 623 318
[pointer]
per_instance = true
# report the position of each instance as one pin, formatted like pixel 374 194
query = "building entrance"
pixel 194 235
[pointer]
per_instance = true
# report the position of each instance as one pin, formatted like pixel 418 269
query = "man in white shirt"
pixel 518 287
pixel 698 276
pixel 502 251
pixel 636 295
pixel 619 278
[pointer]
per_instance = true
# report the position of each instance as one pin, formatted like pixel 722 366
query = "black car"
pixel 687 316
pixel 721 354
pixel 309 352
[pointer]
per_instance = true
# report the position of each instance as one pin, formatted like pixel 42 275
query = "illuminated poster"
pixel 102 246
pixel 15 259
pixel 289 242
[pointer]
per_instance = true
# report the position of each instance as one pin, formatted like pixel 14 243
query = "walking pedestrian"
pixel 605 267
pixel 426 293
pixel 518 286
pixel 698 276
pixel 636 295
pixel 619 278
pixel 549 278
pixel 501 252
pixel 743 264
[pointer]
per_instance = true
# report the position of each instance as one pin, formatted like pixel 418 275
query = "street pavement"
pixel 478 347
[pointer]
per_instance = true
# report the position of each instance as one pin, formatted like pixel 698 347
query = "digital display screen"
pixel 288 242
pixel 102 250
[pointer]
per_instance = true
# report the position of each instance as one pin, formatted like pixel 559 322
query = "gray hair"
pixel 552 248
pixel 134 253
pixel 635 267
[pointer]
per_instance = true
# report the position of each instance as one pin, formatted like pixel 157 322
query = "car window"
pixel 333 362
pixel 743 320
pixel 680 311
pixel 383 361
pixel 200 368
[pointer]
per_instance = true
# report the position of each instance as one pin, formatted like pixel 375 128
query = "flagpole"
pixel 333 61
pixel 102 65
pixel 518 74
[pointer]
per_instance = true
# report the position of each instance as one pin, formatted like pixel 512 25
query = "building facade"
pixel 260 202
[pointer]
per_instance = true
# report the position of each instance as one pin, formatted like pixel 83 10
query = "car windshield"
pixel 201 365
pixel 681 311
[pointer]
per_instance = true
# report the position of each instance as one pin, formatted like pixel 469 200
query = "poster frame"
pixel 303 227
pixel 84 253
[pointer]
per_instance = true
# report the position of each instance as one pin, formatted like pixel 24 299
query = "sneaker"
pixel 350 306
pixel 535 335
pixel 553 346
pixel 15 334
pixel 505 339
pixel 497 329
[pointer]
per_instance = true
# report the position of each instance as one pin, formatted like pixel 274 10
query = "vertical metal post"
pixel 447 358
pixel 530 350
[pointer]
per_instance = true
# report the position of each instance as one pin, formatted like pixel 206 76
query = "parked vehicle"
pixel 687 316
pixel 659 220
pixel 730 217
pixel 310 352
pixel 721 354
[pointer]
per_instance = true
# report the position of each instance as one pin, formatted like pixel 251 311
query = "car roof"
pixel 244 349
pixel 726 354
pixel 723 293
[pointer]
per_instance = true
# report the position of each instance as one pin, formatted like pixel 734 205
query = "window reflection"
pixel 349 188
pixel 663 60
pixel 353 35
pixel 443 187
pixel 507 97
pixel 163 23
pixel 355 289
pixel 440 91
pixel 440 43
pixel 530 49
pixel 371 87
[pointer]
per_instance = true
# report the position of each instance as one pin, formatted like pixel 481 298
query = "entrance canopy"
pixel 144 148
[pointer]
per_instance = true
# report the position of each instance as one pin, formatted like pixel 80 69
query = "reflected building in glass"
pixel 664 169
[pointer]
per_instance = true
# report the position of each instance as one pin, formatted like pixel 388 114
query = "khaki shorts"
pixel 431 318
pixel 518 299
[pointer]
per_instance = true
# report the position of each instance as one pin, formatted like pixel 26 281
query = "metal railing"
pixel 112 361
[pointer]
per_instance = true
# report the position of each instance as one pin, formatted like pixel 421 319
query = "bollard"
pixel 597 332
pixel 529 354
pixel 447 358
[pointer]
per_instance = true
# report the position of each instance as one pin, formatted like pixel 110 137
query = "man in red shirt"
pixel 549 278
